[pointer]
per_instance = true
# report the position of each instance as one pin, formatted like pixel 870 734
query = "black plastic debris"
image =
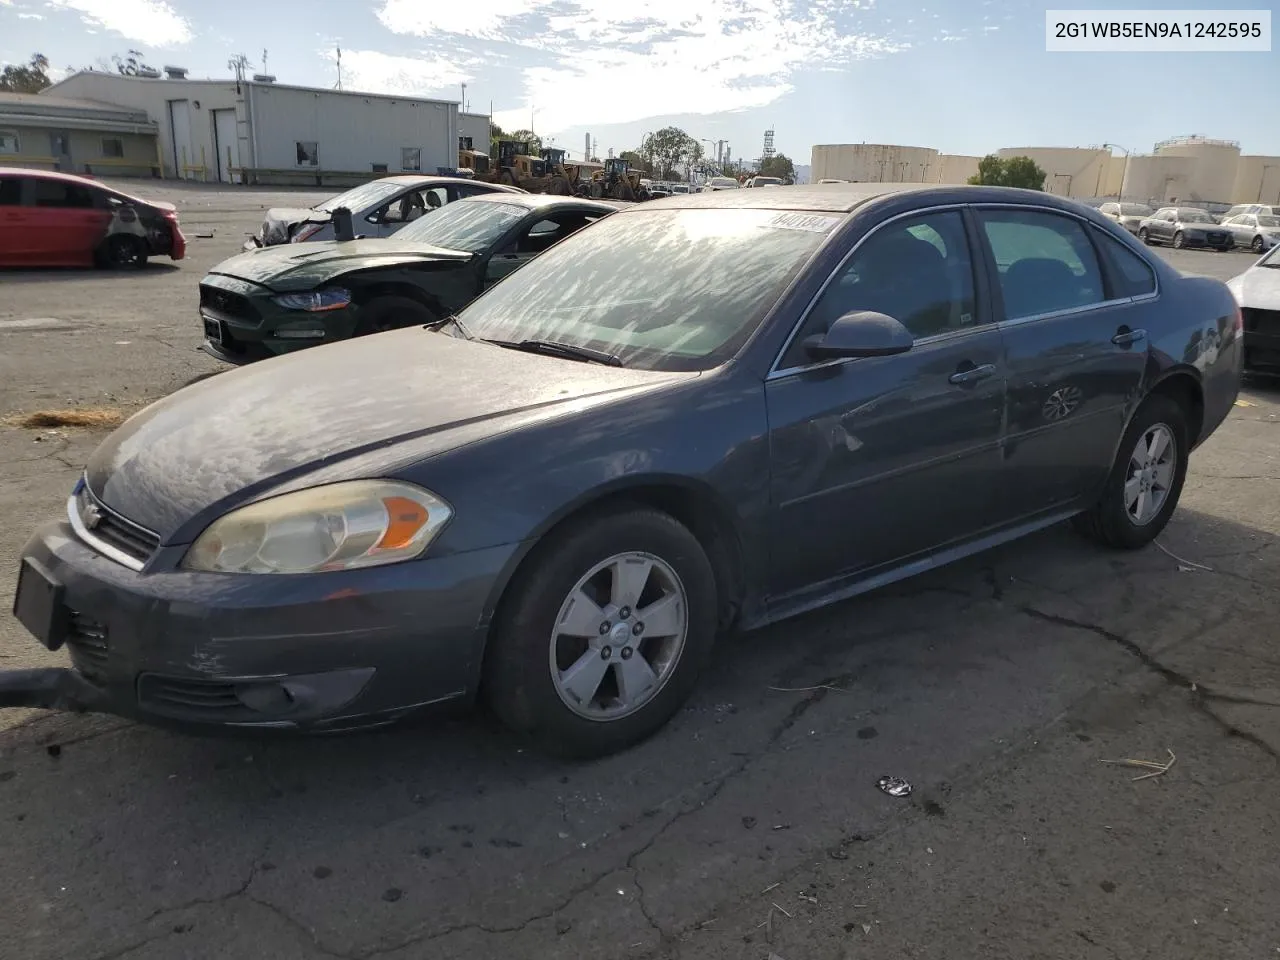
pixel 894 786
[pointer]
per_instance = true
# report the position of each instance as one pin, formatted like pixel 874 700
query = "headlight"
pixel 315 301
pixel 341 526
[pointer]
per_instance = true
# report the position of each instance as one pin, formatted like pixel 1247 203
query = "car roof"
pixel 60 177
pixel 425 179
pixel 845 197
pixel 540 201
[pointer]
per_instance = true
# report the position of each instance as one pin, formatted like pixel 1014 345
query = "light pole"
pixel 1124 176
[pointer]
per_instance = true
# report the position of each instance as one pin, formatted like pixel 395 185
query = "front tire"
pixel 1144 236
pixel 1256 246
pixel 392 313
pixel 123 251
pixel 603 634
pixel 1146 479
pixel 1178 240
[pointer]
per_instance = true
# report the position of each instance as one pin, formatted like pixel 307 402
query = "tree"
pixel 31 77
pixel 496 133
pixel 668 149
pixel 527 136
pixel 779 165
pixel 635 161
pixel 132 64
pixel 1022 172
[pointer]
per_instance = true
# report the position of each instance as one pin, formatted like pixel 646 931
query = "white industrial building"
pixel 260 131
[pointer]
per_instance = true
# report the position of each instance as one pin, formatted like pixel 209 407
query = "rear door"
pixel 70 221
pixel 1073 304
pixel 15 221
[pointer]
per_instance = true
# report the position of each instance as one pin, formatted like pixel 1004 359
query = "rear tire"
pixel 392 313
pixel 1179 241
pixel 1118 519
pixel 123 251
pixel 1144 236
pixel 530 666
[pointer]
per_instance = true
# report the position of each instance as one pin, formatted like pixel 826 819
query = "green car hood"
pixel 301 266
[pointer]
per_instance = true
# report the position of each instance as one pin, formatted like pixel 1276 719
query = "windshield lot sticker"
pixel 803 221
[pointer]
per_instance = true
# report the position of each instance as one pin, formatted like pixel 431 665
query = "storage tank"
pixel 1214 174
pixel 1257 180
pixel 1114 176
pixel 954 168
pixel 1158 179
pixel 1069 171
pixel 872 162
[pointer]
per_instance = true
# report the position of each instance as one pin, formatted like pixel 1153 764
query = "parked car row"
pixel 680 418
pixel 1252 226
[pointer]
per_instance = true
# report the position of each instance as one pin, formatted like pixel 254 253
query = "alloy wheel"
pixel 618 636
pixel 1150 474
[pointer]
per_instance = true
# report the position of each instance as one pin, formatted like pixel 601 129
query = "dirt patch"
pixel 94 417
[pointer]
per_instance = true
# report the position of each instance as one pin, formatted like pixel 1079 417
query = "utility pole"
pixel 464 98
pixel 339 47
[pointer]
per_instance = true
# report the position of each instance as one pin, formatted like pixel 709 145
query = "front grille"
pixel 175 695
pixel 114 530
pixel 1261 321
pixel 225 304
pixel 87 644
pixel 1216 239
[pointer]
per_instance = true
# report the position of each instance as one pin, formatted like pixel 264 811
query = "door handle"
pixel 1124 337
pixel 972 374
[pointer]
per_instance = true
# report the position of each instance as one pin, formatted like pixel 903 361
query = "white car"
pixel 1264 208
pixel 1257 290
pixel 765 182
pixel 1257 231
pixel 720 183
pixel 1128 215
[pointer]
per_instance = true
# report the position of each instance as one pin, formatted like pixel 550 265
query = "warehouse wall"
pixel 475 126
pixel 352 132
pixel 872 162
pixel 1257 180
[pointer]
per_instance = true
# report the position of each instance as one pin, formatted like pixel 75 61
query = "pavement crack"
pixel 1199 696
pixel 663 936
pixel 299 926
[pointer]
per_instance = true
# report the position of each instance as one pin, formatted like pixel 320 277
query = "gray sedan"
pixel 1184 227
pixel 1128 215
pixel 700 413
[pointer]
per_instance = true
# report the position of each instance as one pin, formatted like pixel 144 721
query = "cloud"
pixel 150 22
pixel 597 62
pixel 31 16
pixel 376 72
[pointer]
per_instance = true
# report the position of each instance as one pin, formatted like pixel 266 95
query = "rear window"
pixel 10 192
pixel 1131 275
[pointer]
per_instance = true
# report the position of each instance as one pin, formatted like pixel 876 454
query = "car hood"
pixel 1257 288
pixel 296 266
pixel 403 395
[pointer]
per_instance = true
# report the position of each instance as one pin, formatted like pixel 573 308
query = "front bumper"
pixel 313 652
pixel 249 326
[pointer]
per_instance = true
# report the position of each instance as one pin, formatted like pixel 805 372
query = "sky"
pixel 960 76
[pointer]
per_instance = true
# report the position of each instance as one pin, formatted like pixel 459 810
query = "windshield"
pixel 1134 210
pixel 1268 221
pixel 762 181
pixel 362 197
pixel 469 225
pixel 1272 259
pixel 674 289
pixel 1194 216
pixel 723 182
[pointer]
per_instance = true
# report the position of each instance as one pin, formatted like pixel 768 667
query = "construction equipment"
pixel 615 181
pixel 564 175
pixel 517 168
pixel 472 159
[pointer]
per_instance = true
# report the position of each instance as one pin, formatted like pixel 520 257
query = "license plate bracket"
pixel 40 604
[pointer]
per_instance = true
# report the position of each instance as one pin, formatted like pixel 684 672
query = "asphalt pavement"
pixel 753 824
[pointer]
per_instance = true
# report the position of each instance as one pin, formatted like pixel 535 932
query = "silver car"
pixel 1128 215
pixel 378 208
pixel 1184 227
pixel 1257 231
pixel 1257 291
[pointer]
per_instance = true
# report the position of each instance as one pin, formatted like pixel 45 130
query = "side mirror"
pixel 862 333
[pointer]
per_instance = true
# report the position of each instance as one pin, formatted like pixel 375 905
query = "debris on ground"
pixel 1184 565
pixel 84 417
pixel 1158 769
pixel 894 786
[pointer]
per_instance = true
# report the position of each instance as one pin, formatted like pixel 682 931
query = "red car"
pixel 59 220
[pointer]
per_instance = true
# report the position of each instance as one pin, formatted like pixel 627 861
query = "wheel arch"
pixel 368 287
pixel 692 503
pixel 1182 385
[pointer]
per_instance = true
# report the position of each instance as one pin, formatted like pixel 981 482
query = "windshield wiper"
pixel 554 348
pixel 439 324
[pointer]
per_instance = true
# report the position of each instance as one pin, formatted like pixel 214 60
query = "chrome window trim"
pixel 775 372
pixel 106 549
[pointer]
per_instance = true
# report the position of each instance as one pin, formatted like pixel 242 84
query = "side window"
pixel 9 142
pixel 544 233
pixel 1131 275
pixel 10 192
pixel 55 193
pixel 1045 261
pixel 916 270
pixel 410 206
